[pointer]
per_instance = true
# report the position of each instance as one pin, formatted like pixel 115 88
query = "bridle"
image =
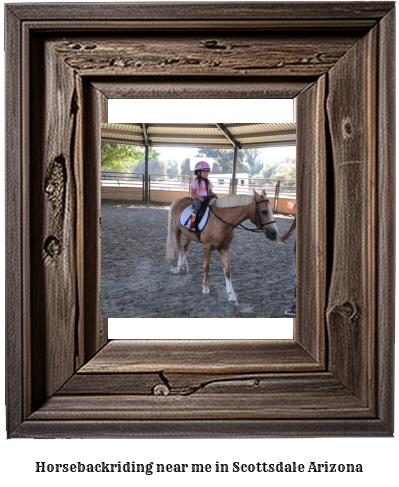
pixel 258 221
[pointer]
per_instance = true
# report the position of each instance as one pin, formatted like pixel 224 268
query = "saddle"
pixel 202 217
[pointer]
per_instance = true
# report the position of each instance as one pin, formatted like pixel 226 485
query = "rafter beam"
pixel 214 145
pixel 274 133
pixel 210 145
pixel 219 135
pixel 144 127
pixel 229 125
pixel 185 136
pixel 115 140
pixel 182 125
pixel 262 145
pixel 122 132
pixel 228 135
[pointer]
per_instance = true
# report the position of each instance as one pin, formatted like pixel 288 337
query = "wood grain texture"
pixel 15 259
pixel 200 356
pixel 185 384
pixel 351 306
pixel 385 218
pixel 239 55
pixel 203 407
pixel 274 428
pixel 96 334
pixel 200 389
pixel 53 210
pixel 311 219
pixel 277 11
pixel 144 87
pixel 91 397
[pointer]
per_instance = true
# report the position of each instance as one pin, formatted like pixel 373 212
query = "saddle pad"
pixel 186 215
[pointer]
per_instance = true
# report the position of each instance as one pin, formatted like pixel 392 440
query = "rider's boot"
pixel 192 223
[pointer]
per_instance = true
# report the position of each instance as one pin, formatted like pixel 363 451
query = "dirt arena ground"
pixel 137 282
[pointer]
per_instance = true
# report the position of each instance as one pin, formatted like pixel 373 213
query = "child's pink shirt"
pixel 202 191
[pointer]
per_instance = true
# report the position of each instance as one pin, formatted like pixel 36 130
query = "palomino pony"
pixel 226 214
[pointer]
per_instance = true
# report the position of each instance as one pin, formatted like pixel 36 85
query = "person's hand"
pixel 285 237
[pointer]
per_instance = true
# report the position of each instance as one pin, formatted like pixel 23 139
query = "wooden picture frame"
pixel 335 378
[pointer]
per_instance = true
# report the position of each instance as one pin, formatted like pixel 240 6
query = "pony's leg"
pixel 225 255
pixel 179 250
pixel 207 266
pixel 185 255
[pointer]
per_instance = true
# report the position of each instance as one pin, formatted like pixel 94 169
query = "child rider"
pixel 201 188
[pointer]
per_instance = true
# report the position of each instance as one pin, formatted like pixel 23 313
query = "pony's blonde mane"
pixel 233 200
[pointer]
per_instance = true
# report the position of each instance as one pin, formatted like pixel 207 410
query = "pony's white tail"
pixel 170 241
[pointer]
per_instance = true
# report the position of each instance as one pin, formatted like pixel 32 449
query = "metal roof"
pixel 209 135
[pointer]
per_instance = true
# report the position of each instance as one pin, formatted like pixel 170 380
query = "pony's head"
pixel 263 216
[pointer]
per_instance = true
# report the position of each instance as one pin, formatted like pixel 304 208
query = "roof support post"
pixel 146 180
pixel 237 146
pixel 234 175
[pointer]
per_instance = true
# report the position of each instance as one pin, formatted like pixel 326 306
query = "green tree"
pixel 118 157
pixel 217 168
pixel 224 157
pixel 122 157
pixel 247 161
pixel 154 167
pixel 270 170
pixel 287 171
pixel 243 167
pixel 172 168
pixel 280 170
pixel 251 156
pixel 185 167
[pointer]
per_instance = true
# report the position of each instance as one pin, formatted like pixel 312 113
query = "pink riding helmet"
pixel 201 166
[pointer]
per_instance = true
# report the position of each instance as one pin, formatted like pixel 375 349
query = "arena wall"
pixel 285 206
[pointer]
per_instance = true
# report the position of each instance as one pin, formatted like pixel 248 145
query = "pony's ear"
pixel 264 193
pixel 256 194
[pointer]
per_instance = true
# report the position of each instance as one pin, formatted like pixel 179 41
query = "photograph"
pixel 229 188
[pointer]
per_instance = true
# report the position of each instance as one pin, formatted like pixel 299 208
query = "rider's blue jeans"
pixel 197 205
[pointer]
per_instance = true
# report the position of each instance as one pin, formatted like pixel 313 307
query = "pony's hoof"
pixel 175 270
pixel 206 292
pixel 233 302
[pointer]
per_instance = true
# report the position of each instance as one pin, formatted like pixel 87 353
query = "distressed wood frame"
pixel 64 378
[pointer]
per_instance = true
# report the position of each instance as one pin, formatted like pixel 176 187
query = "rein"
pixel 240 226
